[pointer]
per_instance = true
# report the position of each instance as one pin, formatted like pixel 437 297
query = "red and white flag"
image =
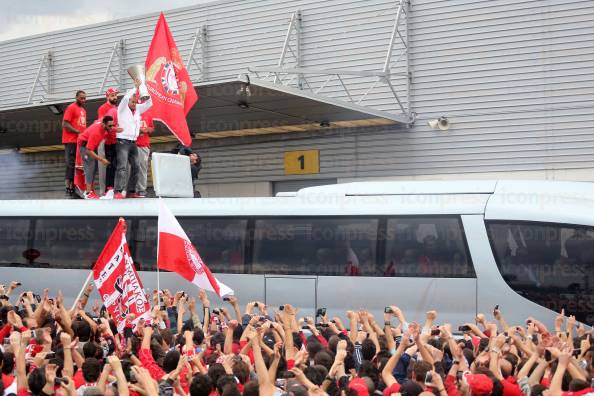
pixel 117 281
pixel 169 83
pixel 177 254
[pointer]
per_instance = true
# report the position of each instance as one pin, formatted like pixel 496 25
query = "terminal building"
pixel 302 93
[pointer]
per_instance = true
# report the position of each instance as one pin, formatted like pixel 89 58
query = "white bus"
pixel 460 247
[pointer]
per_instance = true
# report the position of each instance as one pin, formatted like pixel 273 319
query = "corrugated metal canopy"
pixel 225 109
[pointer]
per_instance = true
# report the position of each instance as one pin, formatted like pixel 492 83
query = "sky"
pixel 20 18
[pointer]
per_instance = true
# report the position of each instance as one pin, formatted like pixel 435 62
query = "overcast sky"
pixel 20 18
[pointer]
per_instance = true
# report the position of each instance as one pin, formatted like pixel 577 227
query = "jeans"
pixel 69 158
pixel 127 152
pixel 89 165
pixel 143 161
pixel 110 171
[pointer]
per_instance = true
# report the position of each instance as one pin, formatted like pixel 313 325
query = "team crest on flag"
pixel 169 80
pixel 193 258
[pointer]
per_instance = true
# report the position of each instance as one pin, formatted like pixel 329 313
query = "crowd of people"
pixel 191 347
pixel 125 131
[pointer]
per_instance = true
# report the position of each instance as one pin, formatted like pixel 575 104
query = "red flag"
pixel 169 83
pixel 117 281
pixel 176 253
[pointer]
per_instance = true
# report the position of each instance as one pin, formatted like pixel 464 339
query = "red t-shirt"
pixel 113 112
pixel 77 117
pixel 7 379
pixel 78 379
pixel 93 136
pixel 511 387
pixel 143 140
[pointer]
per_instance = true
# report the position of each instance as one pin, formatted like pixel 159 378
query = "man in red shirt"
pixel 111 96
pixel 143 142
pixel 88 142
pixel 73 123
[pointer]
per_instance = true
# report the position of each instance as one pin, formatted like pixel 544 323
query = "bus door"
pixel 298 291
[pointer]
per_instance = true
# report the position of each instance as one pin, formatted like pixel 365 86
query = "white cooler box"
pixel 172 176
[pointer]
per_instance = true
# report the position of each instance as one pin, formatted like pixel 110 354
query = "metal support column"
pixel 286 72
pixel 200 40
pixel 46 66
pixel 117 52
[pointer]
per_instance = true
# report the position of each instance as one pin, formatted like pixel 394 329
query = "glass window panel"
pixel 321 246
pixel 220 242
pixel 550 264
pixel 143 244
pixel 14 238
pixel 426 247
pixel 71 242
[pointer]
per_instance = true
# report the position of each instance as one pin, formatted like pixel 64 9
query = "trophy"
pixel 137 74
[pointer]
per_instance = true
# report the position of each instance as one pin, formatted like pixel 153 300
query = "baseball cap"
pixel 111 91
pixel 479 384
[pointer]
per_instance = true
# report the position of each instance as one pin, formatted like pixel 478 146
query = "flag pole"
pixel 82 289
pixel 158 274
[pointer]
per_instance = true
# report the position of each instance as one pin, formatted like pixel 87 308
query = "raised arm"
pixel 556 383
pixel 116 367
pixel 235 304
pixel 125 100
pixel 66 342
pixel 387 375
pixel 499 317
pixel 265 384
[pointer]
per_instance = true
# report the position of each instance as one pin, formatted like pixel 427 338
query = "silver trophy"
pixel 138 74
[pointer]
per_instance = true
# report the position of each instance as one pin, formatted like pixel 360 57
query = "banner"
pixel 169 83
pixel 177 254
pixel 117 281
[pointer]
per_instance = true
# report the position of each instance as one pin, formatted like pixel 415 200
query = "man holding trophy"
pixel 129 120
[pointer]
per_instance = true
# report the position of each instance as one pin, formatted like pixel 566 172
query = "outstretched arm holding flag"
pixel 177 254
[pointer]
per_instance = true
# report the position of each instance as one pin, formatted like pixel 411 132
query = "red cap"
pixel 392 389
pixel 111 91
pixel 480 384
pixel 359 385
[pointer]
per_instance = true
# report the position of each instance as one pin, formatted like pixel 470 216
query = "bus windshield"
pixel 550 264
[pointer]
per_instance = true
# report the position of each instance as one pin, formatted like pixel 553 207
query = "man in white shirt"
pixel 129 120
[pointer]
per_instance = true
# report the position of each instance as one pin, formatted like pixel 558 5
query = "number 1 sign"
pixel 302 162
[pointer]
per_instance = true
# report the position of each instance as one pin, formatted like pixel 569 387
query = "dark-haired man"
pixel 88 143
pixel 73 123
pixel 110 108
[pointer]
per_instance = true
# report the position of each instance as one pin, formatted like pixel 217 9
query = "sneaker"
pixel 108 194
pixel 118 195
pixel 134 195
pixel 90 195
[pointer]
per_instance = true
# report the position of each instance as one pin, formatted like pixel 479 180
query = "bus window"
pixel 220 242
pixel 142 242
pixel 70 242
pixel 426 247
pixel 14 238
pixel 321 246
pixel 550 264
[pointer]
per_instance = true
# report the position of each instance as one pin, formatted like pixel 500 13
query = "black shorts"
pixel 70 158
